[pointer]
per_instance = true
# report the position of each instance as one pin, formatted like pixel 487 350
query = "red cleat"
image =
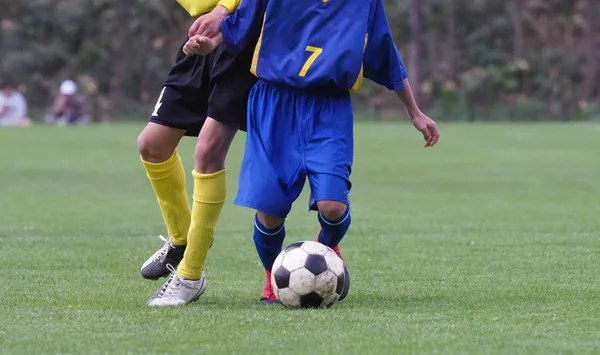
pixel 268 296
pixel 337 251
pixel 346 289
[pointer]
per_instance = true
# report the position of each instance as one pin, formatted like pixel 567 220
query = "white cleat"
pixel 178 291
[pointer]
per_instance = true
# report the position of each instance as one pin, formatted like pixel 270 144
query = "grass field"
pixel 488 243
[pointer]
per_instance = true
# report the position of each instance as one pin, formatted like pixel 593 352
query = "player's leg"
pixel 334 218
pixel 230 84
pixel 157 146
pixel 271 176
pixel 269 233
pixel 209 195
pixel 180 110
pixel 329 157
pixel 210 192
pixel 330 194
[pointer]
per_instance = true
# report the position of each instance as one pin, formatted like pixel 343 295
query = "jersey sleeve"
pixel 198 7
pixel 231 5
pixel 382 62
pixel 243 26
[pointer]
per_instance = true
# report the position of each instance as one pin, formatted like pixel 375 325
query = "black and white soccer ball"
pixel 307 275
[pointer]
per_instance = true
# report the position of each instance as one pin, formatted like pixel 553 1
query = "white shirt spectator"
pixel 13 108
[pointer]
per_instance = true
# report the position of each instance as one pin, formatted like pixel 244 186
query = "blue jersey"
pixel 317 43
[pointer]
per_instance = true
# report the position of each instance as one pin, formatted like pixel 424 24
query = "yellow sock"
pixel 168 180
pixel 210 191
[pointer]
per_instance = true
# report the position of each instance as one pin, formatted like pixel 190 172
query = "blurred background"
pixel 470 60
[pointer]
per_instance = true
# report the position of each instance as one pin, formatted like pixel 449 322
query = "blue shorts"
pixel 292 135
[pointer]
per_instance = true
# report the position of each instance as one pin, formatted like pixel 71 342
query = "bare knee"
pixel 157 143
pixel 152 151
pixel 269 221
pixel 332 210
pixel 212 147
pixel 210 154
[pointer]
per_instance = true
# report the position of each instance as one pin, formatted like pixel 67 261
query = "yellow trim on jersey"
pixel 198 7
pixel 231 5
pixel 359 80
pixel 254 65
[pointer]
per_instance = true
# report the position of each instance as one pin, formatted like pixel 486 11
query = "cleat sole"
pixel 264 300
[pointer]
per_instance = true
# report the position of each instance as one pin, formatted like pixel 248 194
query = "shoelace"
pixel 165 286
pixel 161 254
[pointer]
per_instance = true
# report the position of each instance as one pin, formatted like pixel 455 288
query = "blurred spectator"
pixel 69 106
pixel 13 107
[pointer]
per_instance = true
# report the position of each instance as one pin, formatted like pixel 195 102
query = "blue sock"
pixel 332 232
pixel 268 243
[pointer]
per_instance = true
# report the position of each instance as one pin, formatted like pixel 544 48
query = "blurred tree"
pixel 591 44
pixel 515 13
pixel 510 59
pixel 414 49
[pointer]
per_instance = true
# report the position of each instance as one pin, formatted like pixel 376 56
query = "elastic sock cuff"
pixel 264 230
pixel 157 171
pixel 337 221
pixel 211 176
pixel 210 188
pixel 188 272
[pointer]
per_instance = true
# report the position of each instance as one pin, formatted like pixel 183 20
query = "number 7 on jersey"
pixel 316 51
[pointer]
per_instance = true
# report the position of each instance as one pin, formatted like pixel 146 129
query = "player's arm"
pixel 209 24
pixel 383 64
pixel 420 120
pixel 238 30
pixel 243 27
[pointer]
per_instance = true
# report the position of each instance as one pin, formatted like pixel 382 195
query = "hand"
pixel 210 24
pixel 201 45
pixel 426 126
pixel 193 46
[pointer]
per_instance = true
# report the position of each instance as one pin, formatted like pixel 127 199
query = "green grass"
pixel 488 243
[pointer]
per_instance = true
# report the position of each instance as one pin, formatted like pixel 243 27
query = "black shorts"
pixel 216 86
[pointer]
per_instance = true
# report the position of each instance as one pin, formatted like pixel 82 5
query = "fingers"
pixel 435 135
pixel 428 141
pixel 204 44
pixel 187 48
pixel 195 26
pixel 426 135
pixel 206 31
pixel 192 46
pixel 203 41
pixel 193 29
pixel 205 25
pixel 433 140
pixel 423 129
pixel 199 45
pixel 189 51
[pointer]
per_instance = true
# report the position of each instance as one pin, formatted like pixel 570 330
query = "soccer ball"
pixel 307 275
